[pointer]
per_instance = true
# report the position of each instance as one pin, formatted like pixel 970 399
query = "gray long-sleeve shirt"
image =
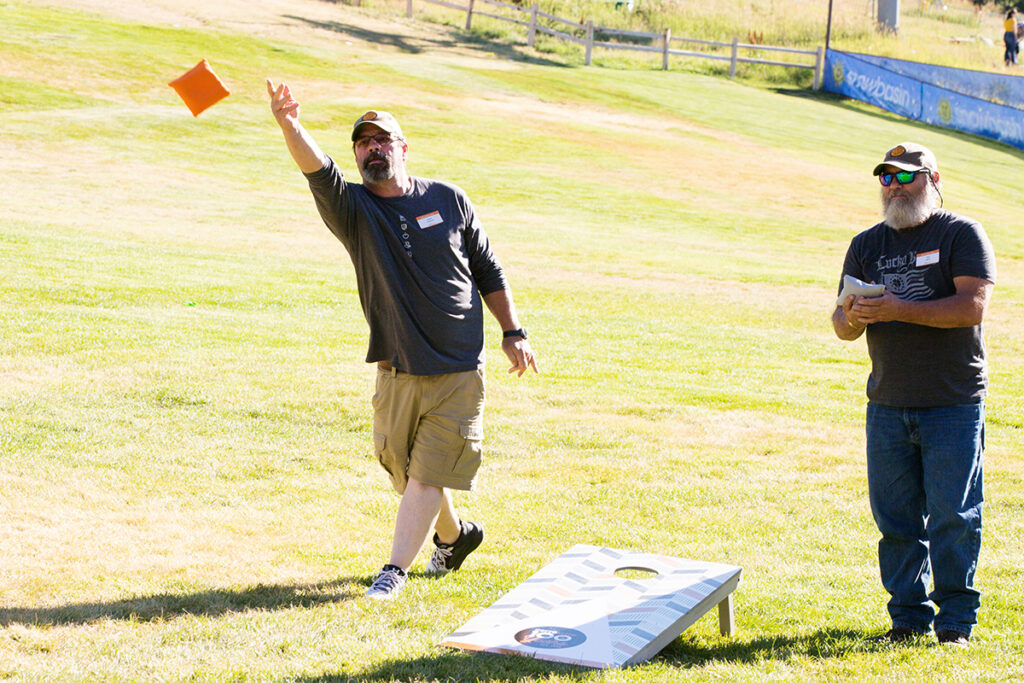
pixel 422 263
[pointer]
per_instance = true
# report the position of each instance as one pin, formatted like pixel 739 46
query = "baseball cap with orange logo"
pixel 381 119
pixel 909 156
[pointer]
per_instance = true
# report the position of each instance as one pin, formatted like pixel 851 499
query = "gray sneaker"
pixel 387 583
pixel 448 558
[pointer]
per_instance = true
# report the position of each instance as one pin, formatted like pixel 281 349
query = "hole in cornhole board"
pixel 200 88
pixel 635 573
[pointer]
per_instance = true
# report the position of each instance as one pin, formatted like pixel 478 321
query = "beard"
pixel 377 173
pixel 912 210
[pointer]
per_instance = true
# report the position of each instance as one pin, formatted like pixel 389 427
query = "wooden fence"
pixel 583 34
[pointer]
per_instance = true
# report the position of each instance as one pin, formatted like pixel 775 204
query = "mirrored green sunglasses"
pixel 903 177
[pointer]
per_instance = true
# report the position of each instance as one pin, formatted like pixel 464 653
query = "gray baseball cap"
pixel 381 119
pixel 909 156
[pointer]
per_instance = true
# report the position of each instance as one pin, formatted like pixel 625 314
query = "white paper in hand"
pixel 852 285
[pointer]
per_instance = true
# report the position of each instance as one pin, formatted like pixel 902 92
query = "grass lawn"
pixel 187 489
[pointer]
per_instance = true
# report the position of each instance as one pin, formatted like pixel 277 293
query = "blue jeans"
pixel 924 480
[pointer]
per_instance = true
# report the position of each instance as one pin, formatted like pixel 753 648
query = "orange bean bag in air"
pixel 200 88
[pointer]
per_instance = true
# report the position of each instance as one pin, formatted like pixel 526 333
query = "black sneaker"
pixel 954 638
pixel 897 634
pixel 387 583
pixel 448 558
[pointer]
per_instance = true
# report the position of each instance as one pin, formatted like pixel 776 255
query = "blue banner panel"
pixel 849 75
pixel 950 110
pixel 887 84
pixel 998 88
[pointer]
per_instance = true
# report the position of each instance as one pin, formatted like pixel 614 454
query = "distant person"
pixel 1010 37
pixel 423 268
pixel 925 413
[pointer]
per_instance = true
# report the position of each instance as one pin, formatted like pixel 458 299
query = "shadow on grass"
pixel 211 603
pixel 453 666
pixel 420 43
pixel 681 654
pixel 821 644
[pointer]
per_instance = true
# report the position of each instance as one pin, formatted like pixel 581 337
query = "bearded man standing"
pixel 925 415
pixel 423 268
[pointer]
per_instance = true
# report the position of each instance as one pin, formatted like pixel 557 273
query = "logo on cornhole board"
pixel 587 608
pixel 200 88
pixel 551 637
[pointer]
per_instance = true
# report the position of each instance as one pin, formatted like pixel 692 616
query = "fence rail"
pixel 666 39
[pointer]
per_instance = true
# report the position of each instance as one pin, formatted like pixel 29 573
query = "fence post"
pixel 732 62
pixel 819 68
pixel 531 34
pixel 469 15
pixel 664 52
pixel 408 9
pixel 590 41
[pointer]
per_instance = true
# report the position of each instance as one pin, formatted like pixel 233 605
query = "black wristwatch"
pixel 521 332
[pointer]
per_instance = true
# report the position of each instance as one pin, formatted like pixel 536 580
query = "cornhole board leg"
pixel 726 621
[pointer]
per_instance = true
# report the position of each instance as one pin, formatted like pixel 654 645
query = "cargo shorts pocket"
pixel 472 432
pixel 387 459
pixel 380 443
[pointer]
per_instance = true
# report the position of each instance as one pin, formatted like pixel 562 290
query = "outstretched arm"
pixel 307 154
pixel 516 348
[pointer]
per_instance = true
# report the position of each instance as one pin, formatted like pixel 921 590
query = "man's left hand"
pixel 519 352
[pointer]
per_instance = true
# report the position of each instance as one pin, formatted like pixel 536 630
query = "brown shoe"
pixel 954 638
pixel 897 634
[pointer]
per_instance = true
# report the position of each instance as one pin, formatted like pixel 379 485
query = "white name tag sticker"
pixel 928 258
pixel 429 219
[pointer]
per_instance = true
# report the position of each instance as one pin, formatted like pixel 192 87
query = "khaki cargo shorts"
pixel 429 428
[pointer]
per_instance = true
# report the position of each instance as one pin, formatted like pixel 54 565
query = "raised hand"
pixel 282 104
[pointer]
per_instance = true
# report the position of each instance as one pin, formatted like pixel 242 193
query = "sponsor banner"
pixel 950 110
pixel 997 88
pixel 861 80
pixel 869 79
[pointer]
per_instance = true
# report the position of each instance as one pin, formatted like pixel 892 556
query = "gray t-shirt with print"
pixel 422 263
pixel 916 366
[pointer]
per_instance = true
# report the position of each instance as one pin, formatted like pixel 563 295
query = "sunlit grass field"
pixel 187 490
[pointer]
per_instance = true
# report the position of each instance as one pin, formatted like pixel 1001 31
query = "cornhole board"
pixel 577 610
